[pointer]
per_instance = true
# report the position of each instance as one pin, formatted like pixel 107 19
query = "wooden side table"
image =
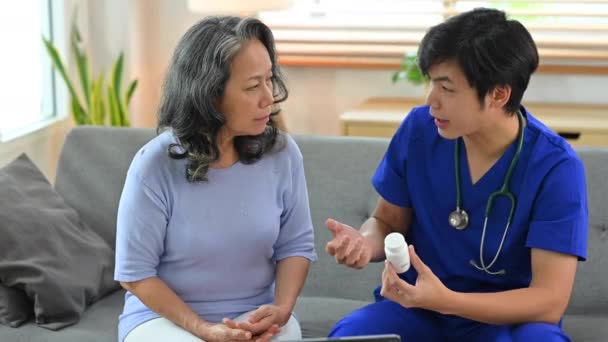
pixel 580 124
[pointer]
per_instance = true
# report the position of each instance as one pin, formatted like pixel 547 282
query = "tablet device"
pixel 365 338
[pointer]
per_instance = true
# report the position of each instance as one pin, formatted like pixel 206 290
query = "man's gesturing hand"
pixel 348 246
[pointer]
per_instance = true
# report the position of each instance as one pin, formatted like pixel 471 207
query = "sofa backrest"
pixel 338 173
pixel 94 162
pixel 92 169
pixel 590 293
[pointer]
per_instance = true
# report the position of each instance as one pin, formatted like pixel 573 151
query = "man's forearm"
pixel 374 231
pixel 507 307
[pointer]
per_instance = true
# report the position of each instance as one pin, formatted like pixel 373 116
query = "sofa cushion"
pixel 99 323
pixel 586 328
pixel 45 249
pixel 317 315
pixel 590 295
pixel 91 172
pixel 15 308
pixel 340 188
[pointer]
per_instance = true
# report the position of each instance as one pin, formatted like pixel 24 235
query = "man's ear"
pixel 499 96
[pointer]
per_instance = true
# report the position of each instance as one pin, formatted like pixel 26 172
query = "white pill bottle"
pixel 397 252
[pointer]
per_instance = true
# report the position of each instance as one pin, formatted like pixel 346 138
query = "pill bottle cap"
pixel 394 242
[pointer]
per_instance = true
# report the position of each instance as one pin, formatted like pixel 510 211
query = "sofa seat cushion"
pixel 99 323
pixel 317 315
pixel 586 328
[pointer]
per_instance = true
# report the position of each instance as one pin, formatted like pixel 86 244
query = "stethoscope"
pixel 459 218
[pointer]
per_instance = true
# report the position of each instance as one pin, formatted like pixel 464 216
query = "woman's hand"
pixel 267 319
pixel 223 333
pixel 428 293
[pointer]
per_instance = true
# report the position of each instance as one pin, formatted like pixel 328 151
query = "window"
pixel 28 81
pixel 572 36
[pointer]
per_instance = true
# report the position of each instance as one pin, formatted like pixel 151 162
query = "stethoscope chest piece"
pixel 459 219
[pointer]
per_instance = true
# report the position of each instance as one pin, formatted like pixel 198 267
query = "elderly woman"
pixel 214 235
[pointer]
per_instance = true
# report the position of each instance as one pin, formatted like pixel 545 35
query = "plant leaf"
pixel 410 70
pixel 116 76
pixel 414 75
pixel 125 118
pixel 80 117
pixel 115 83
pixel 114 105
pixel 82 64
pixel 130 91
pixel 58 64
pixel 97 101
pixel 398 76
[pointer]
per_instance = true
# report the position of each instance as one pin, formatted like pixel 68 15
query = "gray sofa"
pixel 90 176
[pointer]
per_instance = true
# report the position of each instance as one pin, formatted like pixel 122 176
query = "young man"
pixel 487 266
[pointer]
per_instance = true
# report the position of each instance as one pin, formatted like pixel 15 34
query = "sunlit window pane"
pixel 26 71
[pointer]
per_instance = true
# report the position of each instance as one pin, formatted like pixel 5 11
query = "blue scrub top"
pixel 548 183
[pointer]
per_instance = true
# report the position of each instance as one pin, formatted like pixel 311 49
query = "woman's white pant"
pixel 162 329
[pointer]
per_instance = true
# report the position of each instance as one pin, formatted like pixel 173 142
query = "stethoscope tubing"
pixel 503 191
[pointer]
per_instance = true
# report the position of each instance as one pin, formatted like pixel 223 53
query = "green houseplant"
pixel 98 103
pixel 409 70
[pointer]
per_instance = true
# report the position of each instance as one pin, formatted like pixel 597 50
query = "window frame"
pixel 316 42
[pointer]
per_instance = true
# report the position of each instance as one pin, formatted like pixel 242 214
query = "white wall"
pixel 317 95
pixel 42 147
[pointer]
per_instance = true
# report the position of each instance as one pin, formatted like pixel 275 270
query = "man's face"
pixel 454 103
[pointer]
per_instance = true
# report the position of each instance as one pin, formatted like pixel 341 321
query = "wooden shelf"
pixel 580 124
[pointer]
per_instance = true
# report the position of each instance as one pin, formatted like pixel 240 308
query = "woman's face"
pixel 248 98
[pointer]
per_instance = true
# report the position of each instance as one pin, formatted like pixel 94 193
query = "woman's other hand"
pixel 223 333
pixel 264 322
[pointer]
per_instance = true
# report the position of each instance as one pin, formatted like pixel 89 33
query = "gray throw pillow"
pixel 45 249
pixel 15 308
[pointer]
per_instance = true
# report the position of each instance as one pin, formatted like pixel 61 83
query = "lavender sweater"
pixel 216 243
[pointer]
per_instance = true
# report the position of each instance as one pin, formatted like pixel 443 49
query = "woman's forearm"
pixel 157 296
pixel 290 277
